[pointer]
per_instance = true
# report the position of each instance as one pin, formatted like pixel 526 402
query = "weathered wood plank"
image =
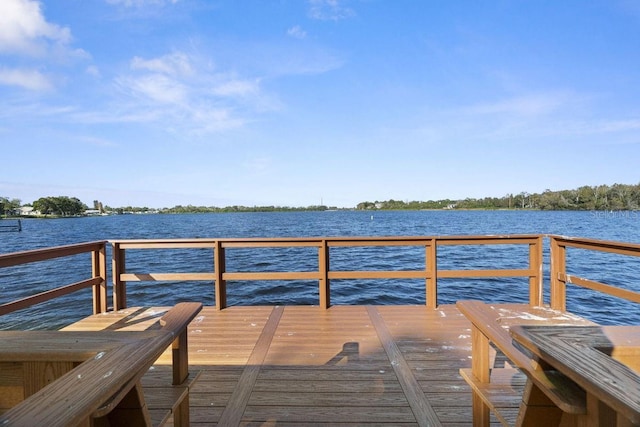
pixel 352 386
pixel 237 403
pixel 329 414
pixel 424 413
pixel 330 399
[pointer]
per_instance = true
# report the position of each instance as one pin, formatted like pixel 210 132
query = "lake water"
pixel 23 280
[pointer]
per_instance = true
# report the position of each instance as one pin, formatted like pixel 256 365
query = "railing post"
pixel 219 267
pixel 431 269
pixel 535 281
pixel 323 268
pixel 558 268
pixel 99 269
pixel 117 268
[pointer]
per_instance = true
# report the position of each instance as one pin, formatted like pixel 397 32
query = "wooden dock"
pixel 329 364
pixel 302 365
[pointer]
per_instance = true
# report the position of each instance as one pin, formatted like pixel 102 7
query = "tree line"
pixel 58 206
pixel 600 197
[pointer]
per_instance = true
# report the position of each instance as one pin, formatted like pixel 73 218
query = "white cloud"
pixel 599 126
pixel 24 30
pixel 94 71
pixel 27 79
pixel 184 94
pixel 297 32
pixel 156 88
pixel 173 64
pixel 620 125
pixel 160 80
pixel 525 105
pixel 141 3
pixel 97 142
pixel 236 88
pixel 329 10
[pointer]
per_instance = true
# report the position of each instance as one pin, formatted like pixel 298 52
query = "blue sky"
pixel 292 102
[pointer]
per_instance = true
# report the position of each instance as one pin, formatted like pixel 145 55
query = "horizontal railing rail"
pixel 97 281
pixel 560 278
pixel 323 272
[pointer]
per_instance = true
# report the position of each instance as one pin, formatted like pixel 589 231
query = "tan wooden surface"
pixel 302 365
pixel 603 360
pixel 546 391
pixel 65 377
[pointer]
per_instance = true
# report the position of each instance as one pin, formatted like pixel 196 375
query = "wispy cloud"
pixel 24 78
pixel 532 117
pixel 233 87
pixel 523 105
pixel 155 87
pixel 141 3
pixel 183 92
pixel 175 64
pixel 329 10
pixel 296 32
pixel 94 71
pixel 97 142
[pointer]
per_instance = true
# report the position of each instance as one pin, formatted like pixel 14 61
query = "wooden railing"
pixel 560 278
pixel 97 281
pixel 322 271
pixel 324 274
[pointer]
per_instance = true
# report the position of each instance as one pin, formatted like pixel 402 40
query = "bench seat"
pixel 100 376
pixel 546 394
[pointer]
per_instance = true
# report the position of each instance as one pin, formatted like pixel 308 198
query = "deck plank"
pixel 237 404
pixel 306 366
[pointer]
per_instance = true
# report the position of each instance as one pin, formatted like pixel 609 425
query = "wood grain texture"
pixel 319 367
pixel 584 355
pixel 424 413
pixel 236 407
pixel 492 323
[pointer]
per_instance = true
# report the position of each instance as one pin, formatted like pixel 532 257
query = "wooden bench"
pixel 101 378
pixel 544 397
pixel 603 360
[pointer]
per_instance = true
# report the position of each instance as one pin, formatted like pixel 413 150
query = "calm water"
pixel 23 280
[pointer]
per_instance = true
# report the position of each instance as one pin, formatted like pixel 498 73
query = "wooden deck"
pixel 301 365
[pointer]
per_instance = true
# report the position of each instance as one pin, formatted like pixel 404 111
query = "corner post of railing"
pixel 431 271
pixel 118 267
pixel 219 268
pixel 558 272
pixel 323 270
pixel 99 269
pixel 536 297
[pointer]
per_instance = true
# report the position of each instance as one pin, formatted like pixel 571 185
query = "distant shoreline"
pixel 601 212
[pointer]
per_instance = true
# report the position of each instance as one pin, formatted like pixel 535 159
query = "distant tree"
pixel 9 206
pixel 60 205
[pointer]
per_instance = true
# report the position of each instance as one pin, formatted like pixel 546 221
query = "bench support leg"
pixel 480 370
pixel 179 350
pixel 537 409
pixel 181 413
pixel 131 411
